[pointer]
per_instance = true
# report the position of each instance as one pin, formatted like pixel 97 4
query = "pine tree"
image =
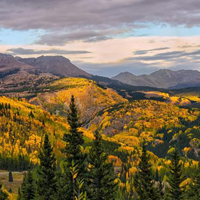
pixel 3 195
pixel 74 155
pixel 27 190
pixel 144 183
pixel 10 177
pixel 101 172
pixel 74 140
pixel 175 178
pixel 47 183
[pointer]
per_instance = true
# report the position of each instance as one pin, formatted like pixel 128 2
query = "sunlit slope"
pixel 192 94
pixel 160 124
pixel 90 98
pixel 22 127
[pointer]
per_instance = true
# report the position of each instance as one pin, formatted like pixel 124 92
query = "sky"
pixel 105 37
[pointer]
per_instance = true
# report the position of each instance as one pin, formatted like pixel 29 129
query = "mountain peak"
pixel 56 65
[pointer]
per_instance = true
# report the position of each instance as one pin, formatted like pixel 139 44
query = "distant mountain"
pixel 10 65
pixel 56 65
pixel 27 73
pixel 17 75
pixel 162 79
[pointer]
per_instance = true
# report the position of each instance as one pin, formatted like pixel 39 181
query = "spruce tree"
pixel 175 191
pixel 101 172
pixel 3 195
pixel 144 183
pixel 27 190
pixel 74 140
pixel 74 155
pixel 10 177
pixel 47 182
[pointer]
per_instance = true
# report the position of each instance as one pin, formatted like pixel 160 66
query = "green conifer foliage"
pixel 144 183
pixel 27 190
pixel 74 156
pixel 47 182
pixel 10 177
pixel 101 172
pixel 175 178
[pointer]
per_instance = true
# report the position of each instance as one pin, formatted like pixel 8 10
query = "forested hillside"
pixel 90 97
pixel 162 126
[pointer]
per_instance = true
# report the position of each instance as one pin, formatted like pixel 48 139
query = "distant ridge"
pixel 163 78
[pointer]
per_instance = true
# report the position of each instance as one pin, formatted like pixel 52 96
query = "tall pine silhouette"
pixel 144 182
pixel 47 183
pixel 75 158
pixel 175 178
pixel 101 172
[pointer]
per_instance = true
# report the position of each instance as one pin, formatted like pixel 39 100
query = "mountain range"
pixel 17 72
pixel 163 78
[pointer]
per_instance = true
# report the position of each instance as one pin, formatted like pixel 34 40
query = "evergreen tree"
pixel 74 155
pixel 175 191
pixel 10 177
pixel 101 172
pixel 74 140
pixel 46 185
pixel 3 195
pixel 144 183
pixel 27 190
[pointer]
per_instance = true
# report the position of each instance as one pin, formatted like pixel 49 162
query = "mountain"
pixel 56 65
pixel 19 74
pixel 162 79
pixel 10 65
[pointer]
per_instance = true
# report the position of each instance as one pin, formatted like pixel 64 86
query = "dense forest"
pixel 138 149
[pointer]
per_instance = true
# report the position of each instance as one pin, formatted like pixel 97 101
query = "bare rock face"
pixel 162 79
pixel 56 65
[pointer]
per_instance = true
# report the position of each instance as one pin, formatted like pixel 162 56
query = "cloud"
pixel 22 51
pixel 141 52
pixel 165 56
pixel 62 39
pixel 87 14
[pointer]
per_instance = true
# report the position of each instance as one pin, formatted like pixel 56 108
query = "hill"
pixel 162 79
pixel 161 124
pixel 22 127
pixel 90 97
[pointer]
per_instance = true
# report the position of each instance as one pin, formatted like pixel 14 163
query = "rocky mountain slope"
pixel 162 79
pixel 56 65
